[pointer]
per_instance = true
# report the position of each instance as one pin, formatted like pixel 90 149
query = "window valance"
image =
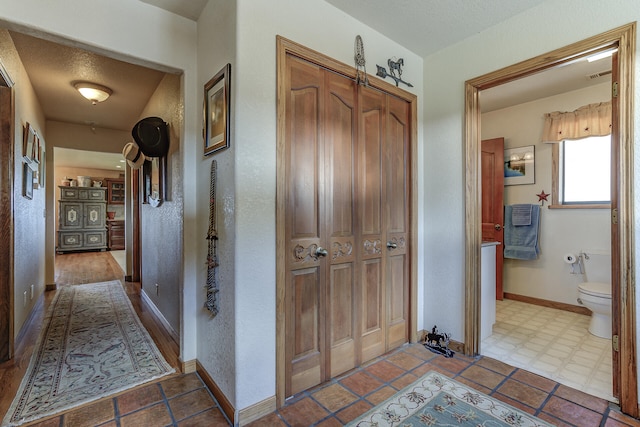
pixel 589 120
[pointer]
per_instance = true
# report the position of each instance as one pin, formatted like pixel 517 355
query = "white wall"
pixel 217 335
pixel 546 27
pixel 29 221
pixel 561 230
pixel 321 27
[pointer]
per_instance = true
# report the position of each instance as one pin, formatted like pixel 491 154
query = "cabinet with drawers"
pixel 115 232
pixel 82 219
pixel 115 191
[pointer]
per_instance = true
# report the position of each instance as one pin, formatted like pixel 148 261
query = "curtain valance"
pixel 589 120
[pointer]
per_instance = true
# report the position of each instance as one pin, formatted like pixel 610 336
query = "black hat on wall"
pixel 152 136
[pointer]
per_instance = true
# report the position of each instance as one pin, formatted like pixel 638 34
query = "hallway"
pixel 183 400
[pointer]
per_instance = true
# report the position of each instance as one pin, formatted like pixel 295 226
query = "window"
pixel 584 172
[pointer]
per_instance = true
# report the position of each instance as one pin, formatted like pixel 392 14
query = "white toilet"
pixel 595 292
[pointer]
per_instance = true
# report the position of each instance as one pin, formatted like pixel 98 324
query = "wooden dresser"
pixel 82 219
pixel 115 232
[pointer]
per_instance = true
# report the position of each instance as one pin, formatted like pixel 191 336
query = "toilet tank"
pixel 597 265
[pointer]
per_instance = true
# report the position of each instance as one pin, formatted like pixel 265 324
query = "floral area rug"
pixel 92 344
pixel 435 400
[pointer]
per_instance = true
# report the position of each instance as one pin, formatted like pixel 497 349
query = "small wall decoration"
pixel 30 147
pixel 520 165
pixel 395 71
pixel 361 67
pixel 27 181
pixel 217 100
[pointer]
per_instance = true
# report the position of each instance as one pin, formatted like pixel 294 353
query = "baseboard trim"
pixel 257 411
pixel 189 366
pixel 157 313
pixel 224 403
pixel 547 303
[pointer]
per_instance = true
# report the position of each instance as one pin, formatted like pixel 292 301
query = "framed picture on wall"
pixel 520 165
pixel 217 100
pixel 27 181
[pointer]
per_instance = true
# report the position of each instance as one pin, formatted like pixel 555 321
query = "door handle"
pixel 392 245
pixel 498 227
pixel 321 252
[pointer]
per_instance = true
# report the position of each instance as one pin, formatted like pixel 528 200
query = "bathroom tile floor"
pixel 555 344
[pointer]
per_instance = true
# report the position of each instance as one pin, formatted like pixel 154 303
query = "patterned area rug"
pixel 435 400
pixel 92 345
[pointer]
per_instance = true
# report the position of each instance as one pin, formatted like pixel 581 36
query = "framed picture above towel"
pixel 520 165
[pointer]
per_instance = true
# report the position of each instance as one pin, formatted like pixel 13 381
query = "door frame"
pixel 6 213
pixel 285 47
pixel 624 39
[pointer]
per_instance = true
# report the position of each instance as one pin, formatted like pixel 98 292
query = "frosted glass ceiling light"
pixel 93 92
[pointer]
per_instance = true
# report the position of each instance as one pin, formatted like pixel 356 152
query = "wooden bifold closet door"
pixel 347 224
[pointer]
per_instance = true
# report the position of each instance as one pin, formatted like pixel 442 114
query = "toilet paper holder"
pixel 573 260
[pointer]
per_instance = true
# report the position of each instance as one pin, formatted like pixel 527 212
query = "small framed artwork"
pixel 29 143
pixel 217 100
pixel 520 165
pixel 27 181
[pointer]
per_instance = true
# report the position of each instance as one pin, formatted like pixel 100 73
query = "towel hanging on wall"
pixel 521 214
pixel 521 242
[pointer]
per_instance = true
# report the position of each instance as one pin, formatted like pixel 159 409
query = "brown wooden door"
pixel 492 165
pixel 346 294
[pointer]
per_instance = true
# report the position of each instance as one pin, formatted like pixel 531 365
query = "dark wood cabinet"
pixel 82 215
pixel 115 231
pixel 115 191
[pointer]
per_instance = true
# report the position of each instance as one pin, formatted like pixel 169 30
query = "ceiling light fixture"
pixel 93 92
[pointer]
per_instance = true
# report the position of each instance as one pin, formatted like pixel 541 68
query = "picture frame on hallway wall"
pixel 27 181
pixel 217 100
pixel 520 165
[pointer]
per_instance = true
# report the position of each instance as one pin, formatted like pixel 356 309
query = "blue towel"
pixel 521 242
pixel 521 214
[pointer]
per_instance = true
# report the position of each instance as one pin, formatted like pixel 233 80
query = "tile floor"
pixel 343 399
pixel 555 344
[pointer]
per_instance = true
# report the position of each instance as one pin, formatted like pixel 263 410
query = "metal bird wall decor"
pixel 395 67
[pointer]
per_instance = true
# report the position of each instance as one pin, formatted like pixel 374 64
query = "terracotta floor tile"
pixel 156 415
pixel 271 420
pixel 139 398
pixel 90 415
pixel 483 376
pixel 334 397
pixel 381 395
pixel 514 403
pixel 50 422
pixel 454 365
pixel 191 403
pixel 420 351
pixel 474 385
pixel 613 423
pixel 534 380
pixel 627 420
pixel 496 366
pixel 405 361
pixel 523 393
pixel 404 381
pixel 553 420
pixel 572 413
pixel 211 418
pixel 385 371
pixel 330 422
pixel 181 384
pixel 112 423
pixel 361 383
pixel 423 369
pixel 581 398
pixel 353 411
pixel 303 413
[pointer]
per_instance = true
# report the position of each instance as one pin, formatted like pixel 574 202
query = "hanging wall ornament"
pixel 212 253
pixel 395 71
pixel 361 69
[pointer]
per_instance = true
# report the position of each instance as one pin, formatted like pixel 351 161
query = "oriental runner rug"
pixel 92 345
pixel 436 400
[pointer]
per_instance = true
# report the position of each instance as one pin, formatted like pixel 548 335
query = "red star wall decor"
pixel 542 197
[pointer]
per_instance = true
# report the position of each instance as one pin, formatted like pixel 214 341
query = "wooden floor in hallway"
pixel 183 399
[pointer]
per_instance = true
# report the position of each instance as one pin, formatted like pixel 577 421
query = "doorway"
pixel 623 293
pixel 345 264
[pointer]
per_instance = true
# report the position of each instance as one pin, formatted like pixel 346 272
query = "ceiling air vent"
pixel 598 75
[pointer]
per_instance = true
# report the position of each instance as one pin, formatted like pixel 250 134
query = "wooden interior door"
pixel 492 166
pixel 347 195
